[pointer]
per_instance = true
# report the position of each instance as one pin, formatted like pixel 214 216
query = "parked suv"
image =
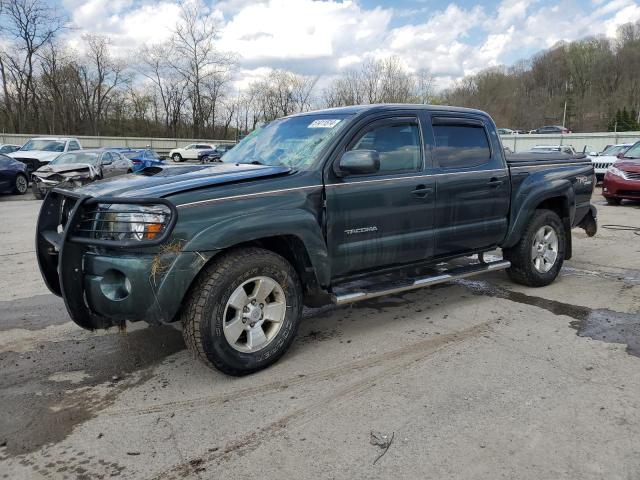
pixel 189 152
pixel 337 205
pixel 40 151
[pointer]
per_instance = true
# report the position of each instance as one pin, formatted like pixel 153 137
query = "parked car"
pixel 215 154
pixel 79 168
pixel 337 205
pixel 190 152
pixel 142 158
pixel 551 129
pixel 506 131
pixel 566 149
pixel 622 180
pixel 603 160
pixel 8 148
pixel 14 177
pixel 40 151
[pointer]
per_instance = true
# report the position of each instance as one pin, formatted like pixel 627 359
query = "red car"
pixel 622 179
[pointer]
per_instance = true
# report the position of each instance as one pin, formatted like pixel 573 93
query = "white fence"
pixel 160 145
pixel 517 143
pixel 588 142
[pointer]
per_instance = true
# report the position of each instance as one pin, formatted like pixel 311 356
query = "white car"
pixel 190 152
pixel 603 160
pixel 568 149
pixel 41 150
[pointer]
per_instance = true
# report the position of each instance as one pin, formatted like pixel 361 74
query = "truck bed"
pixel 526 159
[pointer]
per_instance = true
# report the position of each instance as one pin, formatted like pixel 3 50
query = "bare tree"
pixel 197 59
pixel 99 74
pixel 28 26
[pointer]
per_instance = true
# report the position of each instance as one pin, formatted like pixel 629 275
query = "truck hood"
pixel 67 170
pixel 164 180
pixel 37 154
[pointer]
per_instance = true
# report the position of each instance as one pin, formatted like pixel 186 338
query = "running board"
pixel 357 291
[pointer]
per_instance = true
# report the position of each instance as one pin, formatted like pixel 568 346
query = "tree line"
pixel 587 83
pixel 184 87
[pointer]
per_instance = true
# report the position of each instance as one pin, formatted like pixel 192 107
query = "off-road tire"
pixel 522 270
pixel 613 200
pixel 176 157
pixel 17 188
pixel 202 317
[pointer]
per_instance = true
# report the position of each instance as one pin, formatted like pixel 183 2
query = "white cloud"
pixel 323 37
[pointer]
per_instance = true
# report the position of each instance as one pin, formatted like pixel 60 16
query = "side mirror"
pixel 620 155
pixel 594 154
pixel 359 162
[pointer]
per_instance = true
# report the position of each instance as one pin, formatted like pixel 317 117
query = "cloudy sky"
pixel 321 37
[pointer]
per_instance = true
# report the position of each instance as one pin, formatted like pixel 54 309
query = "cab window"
pixel 461 146
pixel 398 145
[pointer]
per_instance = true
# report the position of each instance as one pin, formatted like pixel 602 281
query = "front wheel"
pixel 537 258
pixel 244 311
pixel 176 157
pixel 21 184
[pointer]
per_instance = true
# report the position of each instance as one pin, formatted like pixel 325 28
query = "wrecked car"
pixel 79 168
pixel 333 206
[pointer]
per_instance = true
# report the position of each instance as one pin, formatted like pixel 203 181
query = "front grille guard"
pixel 60 253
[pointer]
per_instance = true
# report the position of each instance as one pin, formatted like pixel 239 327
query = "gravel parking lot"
pixel 476 379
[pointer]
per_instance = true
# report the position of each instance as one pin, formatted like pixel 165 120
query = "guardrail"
pixel 587 142
pixel 160 145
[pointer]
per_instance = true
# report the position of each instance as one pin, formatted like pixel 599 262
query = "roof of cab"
pixel 381 107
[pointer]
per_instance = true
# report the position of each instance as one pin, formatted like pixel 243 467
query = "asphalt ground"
pixel 475 379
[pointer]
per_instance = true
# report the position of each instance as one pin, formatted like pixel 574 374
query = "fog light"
pixel 115 285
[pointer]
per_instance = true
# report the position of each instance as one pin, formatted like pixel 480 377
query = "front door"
pixel 382 219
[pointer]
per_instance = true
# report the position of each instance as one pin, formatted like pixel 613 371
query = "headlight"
pixel 615 171
pixel 125 222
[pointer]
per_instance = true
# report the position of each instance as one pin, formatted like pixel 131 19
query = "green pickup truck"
pixel 336 205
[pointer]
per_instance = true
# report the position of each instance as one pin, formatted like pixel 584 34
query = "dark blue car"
pixel 13 176
pixel 142 158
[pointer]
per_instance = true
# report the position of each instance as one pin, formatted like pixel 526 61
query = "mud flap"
pixel 590 222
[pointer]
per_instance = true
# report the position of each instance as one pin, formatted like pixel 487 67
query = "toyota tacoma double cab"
pixel 337 205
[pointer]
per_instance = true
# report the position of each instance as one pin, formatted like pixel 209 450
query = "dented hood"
pixel 161 181
pixel 71 169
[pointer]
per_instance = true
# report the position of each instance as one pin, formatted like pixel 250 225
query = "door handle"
pixel 422 191
pixel 494 182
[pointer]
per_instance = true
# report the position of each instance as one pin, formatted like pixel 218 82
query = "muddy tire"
pixel 537 258
pixel 613 200
pixel 243 311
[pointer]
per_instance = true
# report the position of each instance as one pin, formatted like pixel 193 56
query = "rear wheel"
pixel 537 258
pixel 244 311
pixel 176 157
pixel 613 200
pixel 21 184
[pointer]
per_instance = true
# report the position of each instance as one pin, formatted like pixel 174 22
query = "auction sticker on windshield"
pixel 324 123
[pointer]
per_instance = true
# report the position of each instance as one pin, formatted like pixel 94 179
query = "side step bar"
pixel 343 295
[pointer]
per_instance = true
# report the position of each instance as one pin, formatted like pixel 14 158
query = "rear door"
pixel 385 218
pixel 473 188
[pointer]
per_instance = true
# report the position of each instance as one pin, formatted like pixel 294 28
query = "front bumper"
pixel 617 187
pixel 102 285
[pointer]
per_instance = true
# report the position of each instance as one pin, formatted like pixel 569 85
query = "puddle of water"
pixel 599 324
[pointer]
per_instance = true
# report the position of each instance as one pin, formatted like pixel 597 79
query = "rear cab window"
pixel 461 143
